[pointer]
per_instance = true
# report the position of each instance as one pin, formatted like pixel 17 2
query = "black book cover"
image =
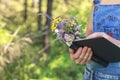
pixel 103 50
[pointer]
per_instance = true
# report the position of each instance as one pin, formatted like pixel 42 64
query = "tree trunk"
pixel 39 16
pixel 39 23
pixel 49 10
pixel 25 10
pixel 46 37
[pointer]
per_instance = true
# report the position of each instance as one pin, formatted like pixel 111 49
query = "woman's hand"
pixel 82 55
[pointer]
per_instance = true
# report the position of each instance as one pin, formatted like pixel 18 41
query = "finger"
pixel 84 60
pixel 86 54
pixel 71 53
pixel 81 57
pixel 89 57
pixel 78 52
pixel 89 52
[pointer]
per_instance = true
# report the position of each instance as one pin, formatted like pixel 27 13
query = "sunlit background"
pixel 28 49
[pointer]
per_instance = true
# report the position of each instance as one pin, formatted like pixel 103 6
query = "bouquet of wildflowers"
pixel 66 28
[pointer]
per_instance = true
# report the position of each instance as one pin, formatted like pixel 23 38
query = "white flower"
pixel 69 37
pixel 56 30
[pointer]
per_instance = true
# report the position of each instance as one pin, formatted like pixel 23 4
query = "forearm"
pixel 90 24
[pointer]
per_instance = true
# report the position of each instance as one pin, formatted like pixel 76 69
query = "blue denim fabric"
pixel 91 74
pixel 106 18
pixel 96 1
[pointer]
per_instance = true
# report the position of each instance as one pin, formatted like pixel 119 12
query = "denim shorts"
pixel 91 74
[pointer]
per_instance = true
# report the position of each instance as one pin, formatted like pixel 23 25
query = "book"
pixel 104 51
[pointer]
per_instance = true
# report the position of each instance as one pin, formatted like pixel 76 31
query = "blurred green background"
pixel 28 49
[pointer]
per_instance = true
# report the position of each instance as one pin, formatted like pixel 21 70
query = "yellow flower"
pixel 73 23
pixel 55 22
pixel 68 23
pixel 53 26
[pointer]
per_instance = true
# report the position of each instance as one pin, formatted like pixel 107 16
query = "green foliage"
pixel 39 66
pixel 6 33
pixel 32 64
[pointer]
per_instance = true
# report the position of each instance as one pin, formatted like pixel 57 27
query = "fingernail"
pixel 79 48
